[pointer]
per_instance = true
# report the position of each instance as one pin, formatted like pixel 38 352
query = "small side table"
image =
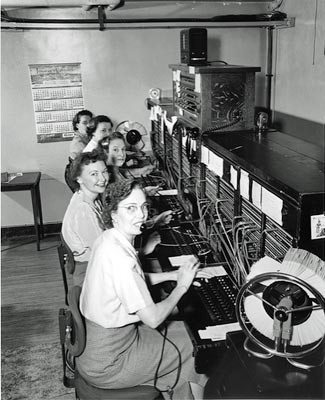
pixel 29 181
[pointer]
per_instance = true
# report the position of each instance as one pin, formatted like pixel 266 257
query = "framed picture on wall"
pixel 57 97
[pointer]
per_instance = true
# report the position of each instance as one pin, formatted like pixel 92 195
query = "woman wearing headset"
pixel 127 344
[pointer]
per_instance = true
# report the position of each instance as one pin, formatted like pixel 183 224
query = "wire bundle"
pixel 234 242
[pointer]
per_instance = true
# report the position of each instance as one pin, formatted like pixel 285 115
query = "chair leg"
pixel 68 378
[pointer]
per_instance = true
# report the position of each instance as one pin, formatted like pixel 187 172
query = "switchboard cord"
pixel 170 389
pixel 219 127
pixel 218 61
pixel 234 248
pixel 171 173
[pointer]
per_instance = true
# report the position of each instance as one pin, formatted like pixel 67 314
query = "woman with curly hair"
pixel 129 342
pixel 82 221
pixel 98 127
pixel 80 139
pixel 115 148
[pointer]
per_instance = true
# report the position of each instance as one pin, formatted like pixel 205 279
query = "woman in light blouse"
pixel 78 143
pixel 114 146
pixel 80 138
pixel 82 222
pixel 126 342
pixel 97 129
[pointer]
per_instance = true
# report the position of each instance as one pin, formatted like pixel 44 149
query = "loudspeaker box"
pixel 194 46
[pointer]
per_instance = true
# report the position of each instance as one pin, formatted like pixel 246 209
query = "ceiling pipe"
pixel 110 4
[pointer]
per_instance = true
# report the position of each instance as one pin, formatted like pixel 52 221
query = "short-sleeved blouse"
pixel 92 145
pixel 81 226
pixel 77 144
pixel 114 288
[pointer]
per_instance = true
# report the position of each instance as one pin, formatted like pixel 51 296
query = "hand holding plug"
pixel 164 218
pixel 152 190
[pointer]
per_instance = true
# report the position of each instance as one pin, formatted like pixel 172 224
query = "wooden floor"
pixel 31 293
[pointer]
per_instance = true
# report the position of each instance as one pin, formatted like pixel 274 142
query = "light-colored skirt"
pixel 135 355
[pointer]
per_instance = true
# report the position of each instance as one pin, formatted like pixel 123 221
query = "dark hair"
pixel 85 159
pixel 93 124
pixel 76 118
pixel 113 195
pixel 104 143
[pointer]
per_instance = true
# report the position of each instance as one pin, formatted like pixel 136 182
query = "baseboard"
pixel 28 230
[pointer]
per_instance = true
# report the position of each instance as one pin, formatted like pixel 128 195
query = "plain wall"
pixel 118 69
pixel 299 82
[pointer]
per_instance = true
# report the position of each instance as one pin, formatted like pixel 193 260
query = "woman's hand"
pixel 187 272
pixel 147 169
pixel 152 241
pixel 164 218
pixel 152 190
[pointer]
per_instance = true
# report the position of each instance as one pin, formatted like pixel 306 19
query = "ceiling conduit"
pixel 225 21
pixel 58 3
pixel 107 20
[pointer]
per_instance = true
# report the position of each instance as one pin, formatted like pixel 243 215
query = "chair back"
pixel 77 341
pixel 73 342
pixel 62 258
pixel 67 177
pixel 69 261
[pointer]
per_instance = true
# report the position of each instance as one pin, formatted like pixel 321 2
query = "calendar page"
pixel 57 97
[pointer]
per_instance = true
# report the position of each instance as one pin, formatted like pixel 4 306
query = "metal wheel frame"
pixel 248 331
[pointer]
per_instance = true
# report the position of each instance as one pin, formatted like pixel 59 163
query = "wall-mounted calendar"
pixel 57 97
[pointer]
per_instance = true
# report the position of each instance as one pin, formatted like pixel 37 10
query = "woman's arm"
pixel 161 219
pixel 155 314
pixel 85 231
pixel 159 277
pixel 135 172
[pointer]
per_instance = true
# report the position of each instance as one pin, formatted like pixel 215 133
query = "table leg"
pixel 36 217
pixel 39 206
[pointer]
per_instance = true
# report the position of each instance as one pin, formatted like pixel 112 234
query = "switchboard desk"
pixel 29 181
pixel 289 172
pixel 239 375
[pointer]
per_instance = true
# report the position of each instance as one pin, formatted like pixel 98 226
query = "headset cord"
pixel 218 127
pixel 170 389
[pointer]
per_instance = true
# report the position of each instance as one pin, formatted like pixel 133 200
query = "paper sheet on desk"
pixel 177 261
pixel 169 192
pixel 218 332
pixel 217 270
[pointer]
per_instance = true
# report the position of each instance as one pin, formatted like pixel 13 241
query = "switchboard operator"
pixel 82 221
pixel 126 345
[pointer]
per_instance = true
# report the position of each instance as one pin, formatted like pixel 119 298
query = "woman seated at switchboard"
pixel 128 341
pixel 115 148
pixel 78 143
pixel 82 222
pixel 80 138
pixel 98 127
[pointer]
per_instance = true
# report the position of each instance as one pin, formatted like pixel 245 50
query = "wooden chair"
pixel 67 177
pixel 73 341
pixel 67 264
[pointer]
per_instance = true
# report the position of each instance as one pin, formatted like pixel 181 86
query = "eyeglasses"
pixel 133 208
